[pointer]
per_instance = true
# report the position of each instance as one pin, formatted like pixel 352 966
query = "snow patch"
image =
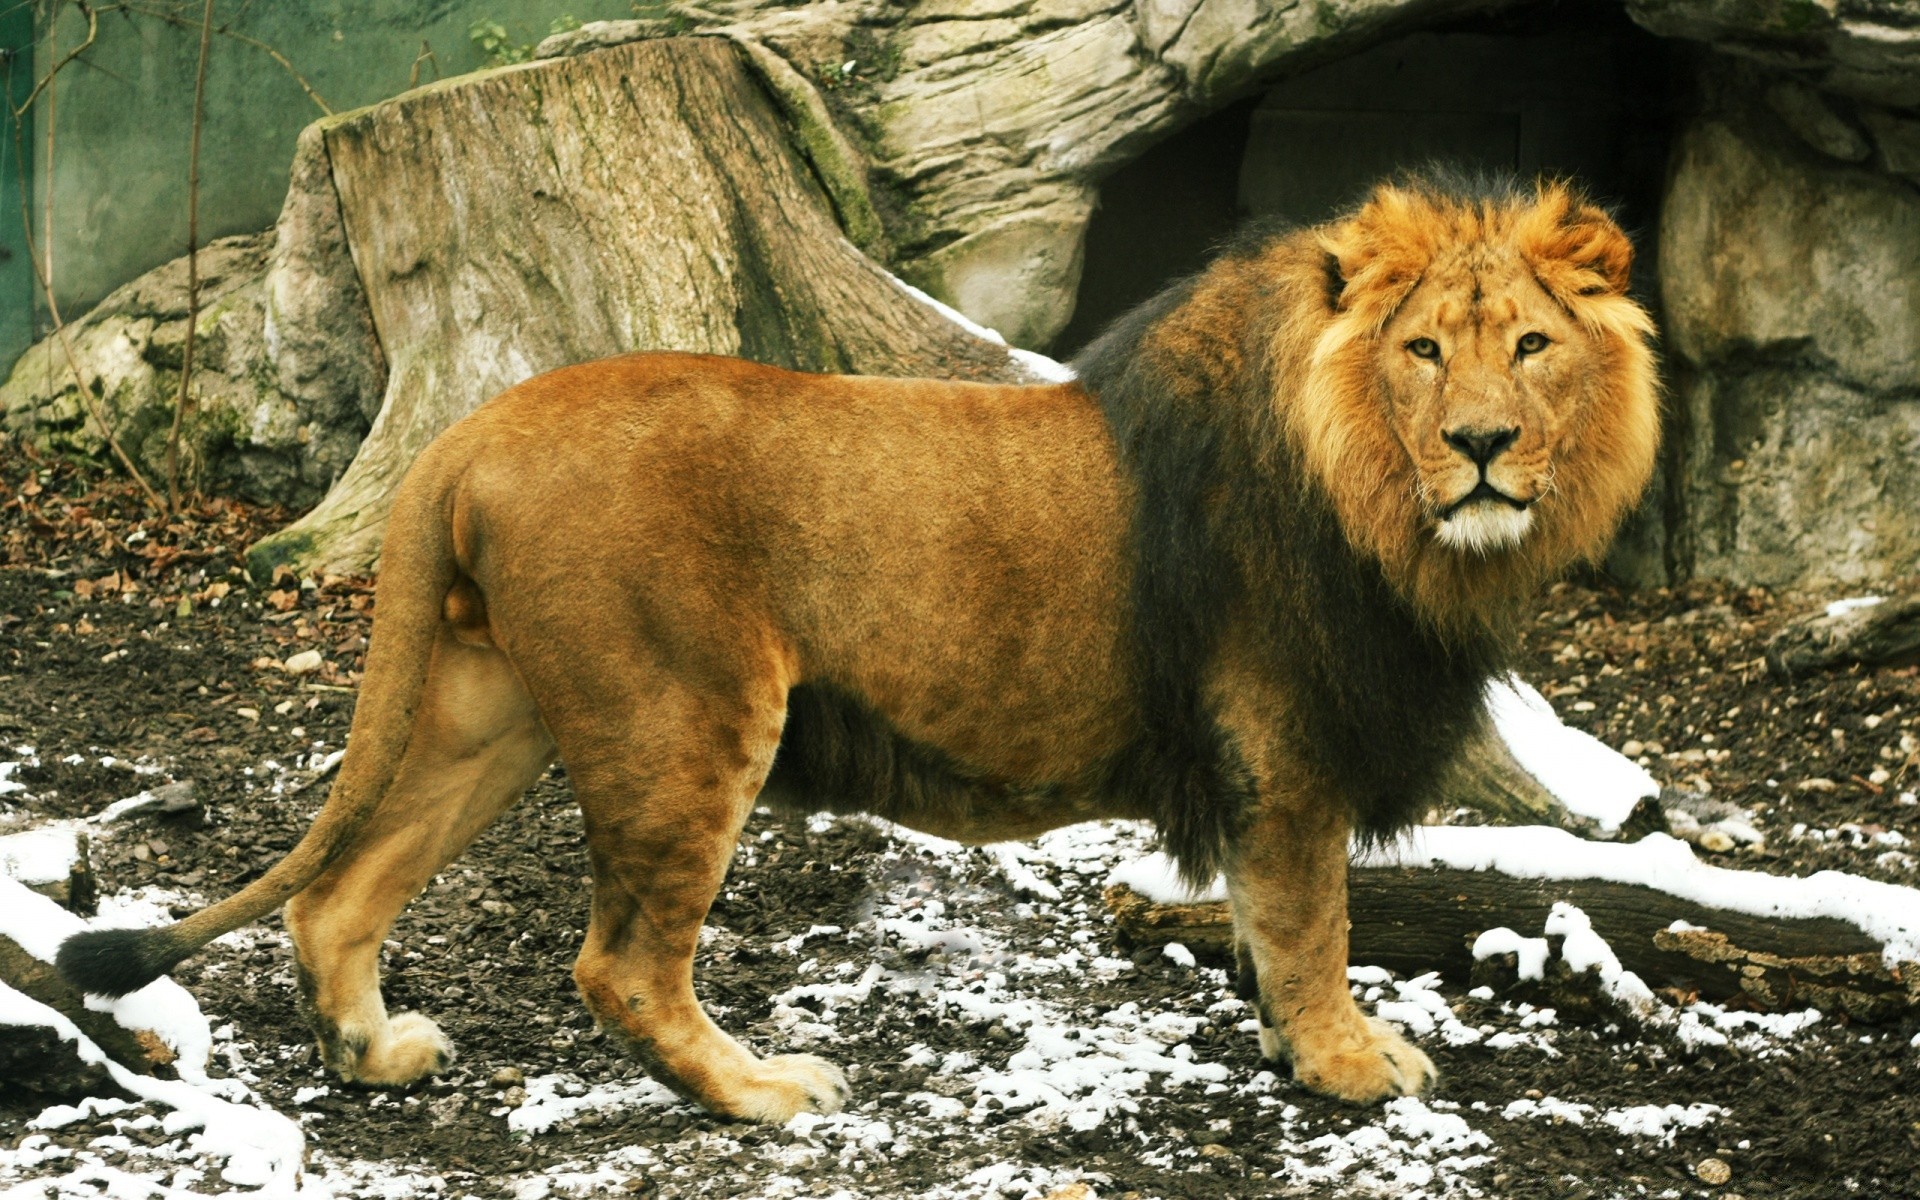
pixel 1156 878
pixel 552 1099
pixel 39 856
pixel 1042 368
pixel 1840 608
pixel 1591 778
pixel 1661 1121
pixel 1531 952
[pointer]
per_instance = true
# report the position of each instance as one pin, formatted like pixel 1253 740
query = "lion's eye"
pixel 1424 347
pixel 1532 343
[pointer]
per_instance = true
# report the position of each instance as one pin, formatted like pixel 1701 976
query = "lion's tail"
pixel 419 569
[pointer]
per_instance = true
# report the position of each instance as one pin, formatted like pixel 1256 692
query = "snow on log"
pixel 1833 941
pixel 58 1043
pixel 53 862
pixel 1870 630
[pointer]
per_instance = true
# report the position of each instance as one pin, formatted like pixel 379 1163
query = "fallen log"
pixel 1876 633
pixel 1413 920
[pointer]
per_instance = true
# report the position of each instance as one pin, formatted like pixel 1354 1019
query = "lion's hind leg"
pixel 477 745
pixel 1288 881
pixel 664 797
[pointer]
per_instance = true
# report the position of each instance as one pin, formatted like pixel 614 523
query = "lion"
pixel 1245 578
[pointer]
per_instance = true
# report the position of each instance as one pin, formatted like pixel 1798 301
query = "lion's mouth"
pixel 1483 492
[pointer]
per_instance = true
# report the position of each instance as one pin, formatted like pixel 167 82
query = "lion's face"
pixel 1480 402
pixel 1479 370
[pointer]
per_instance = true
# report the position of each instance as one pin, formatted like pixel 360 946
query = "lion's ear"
pixel 1575 248
pixel 1376 256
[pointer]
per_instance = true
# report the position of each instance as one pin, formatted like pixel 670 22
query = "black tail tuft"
pixel 113 962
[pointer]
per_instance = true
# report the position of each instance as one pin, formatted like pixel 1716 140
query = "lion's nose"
pixel 1481 445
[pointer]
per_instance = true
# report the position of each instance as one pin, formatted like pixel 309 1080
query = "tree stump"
pixel 645 197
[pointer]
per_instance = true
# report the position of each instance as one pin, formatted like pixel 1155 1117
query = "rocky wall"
pixel 1790 276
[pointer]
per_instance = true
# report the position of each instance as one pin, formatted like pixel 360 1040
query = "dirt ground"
pixel 130 647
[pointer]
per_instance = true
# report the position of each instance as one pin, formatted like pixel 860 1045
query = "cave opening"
pixel 1567 88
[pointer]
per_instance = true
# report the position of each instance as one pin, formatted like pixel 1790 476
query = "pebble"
pixel 1713 1172
pixel 304 663
pixel 514 1097
pixel 508 1077
pixel 251 714
pixel 1633 748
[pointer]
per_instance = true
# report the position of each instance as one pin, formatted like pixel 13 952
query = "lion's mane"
pixel 1271 496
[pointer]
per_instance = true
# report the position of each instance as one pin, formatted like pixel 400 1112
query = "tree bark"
pixel 1412 921
pixel 646 197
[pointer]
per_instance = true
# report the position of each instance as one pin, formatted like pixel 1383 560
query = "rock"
pixel 170 799
pixel 328 367
pixel 1712 1172
pixel 1898 138
pixel 1792 293
pixel 508 1077
pixel 514 1097
pixel 306 662
pixel 1866 49
pixel 1811 115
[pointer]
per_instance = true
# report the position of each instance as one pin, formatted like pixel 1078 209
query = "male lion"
pixel 1245 579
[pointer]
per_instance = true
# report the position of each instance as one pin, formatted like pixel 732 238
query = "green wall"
pixel 16 271
pixel 123 117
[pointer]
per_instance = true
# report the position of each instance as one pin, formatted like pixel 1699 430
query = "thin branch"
pixel 183 397
pixel 425 55
pixel 87 398
pixel 40 85
pixel 228 31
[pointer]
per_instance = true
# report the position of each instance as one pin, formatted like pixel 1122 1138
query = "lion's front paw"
pixel 782 1087
pixel 410 1048
pixel 1374 1066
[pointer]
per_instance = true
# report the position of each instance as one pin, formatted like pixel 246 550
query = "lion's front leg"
pixel 1288 882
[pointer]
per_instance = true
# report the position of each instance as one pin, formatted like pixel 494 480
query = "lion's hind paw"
pixel 410 1048
pixel 786 1085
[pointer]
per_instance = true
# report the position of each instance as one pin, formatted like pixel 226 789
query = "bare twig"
pixel 43 269
pixel 183 398
pixel 426 56
pixel 45 81
pixel 87 398
pixel 228 31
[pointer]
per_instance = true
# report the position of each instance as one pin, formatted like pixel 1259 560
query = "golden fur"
pixel 1210 586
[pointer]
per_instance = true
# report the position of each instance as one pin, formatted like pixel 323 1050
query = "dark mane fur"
pixel 1226 522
